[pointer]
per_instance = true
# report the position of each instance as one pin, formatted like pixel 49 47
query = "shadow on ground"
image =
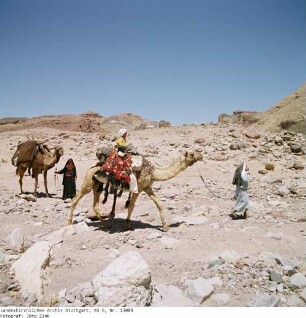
pixel 119 225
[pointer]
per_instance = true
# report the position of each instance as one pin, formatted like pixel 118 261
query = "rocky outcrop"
pixel 288 114
pixel 239 117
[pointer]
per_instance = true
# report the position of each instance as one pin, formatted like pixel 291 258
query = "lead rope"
pixel 208 187
pixel 56 180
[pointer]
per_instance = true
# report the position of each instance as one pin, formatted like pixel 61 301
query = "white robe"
pixel 242 197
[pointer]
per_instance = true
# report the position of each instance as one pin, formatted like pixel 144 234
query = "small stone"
pixel 265 300
pixel 6 301
pixel 298 165
pixel 276 277
pixel 261 171
pixel 234 146
pixel 298 280
pixel 200 140
pixel 70 297
pixel 215 261
pixel 295 301
pixel 252 134
pixel 295 148
pixel 269 166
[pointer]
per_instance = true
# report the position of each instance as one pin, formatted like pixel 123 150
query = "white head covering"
pixel 121 132
pixel 240 170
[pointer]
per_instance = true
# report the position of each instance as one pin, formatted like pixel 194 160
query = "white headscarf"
pixel 240 173
pixel 121 132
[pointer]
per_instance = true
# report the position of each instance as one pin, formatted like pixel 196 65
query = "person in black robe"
pixel 69 178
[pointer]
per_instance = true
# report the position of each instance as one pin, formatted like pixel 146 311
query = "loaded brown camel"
pixel 145 178
pixel 43 160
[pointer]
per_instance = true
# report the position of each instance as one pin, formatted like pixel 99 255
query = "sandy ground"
pixel 274 224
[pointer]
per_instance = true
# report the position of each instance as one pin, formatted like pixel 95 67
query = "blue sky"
pixel 185 61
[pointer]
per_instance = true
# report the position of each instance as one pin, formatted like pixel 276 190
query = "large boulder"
pixel 125 282
pixel 29 269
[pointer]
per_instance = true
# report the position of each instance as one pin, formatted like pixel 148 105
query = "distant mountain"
pixel 87 122
pixel 288 114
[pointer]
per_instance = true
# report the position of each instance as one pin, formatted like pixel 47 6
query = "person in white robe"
pixel 241 196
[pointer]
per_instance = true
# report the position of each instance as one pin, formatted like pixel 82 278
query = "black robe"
pixel 69 190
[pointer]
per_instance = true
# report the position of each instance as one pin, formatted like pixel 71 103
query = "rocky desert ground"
pixel 206 258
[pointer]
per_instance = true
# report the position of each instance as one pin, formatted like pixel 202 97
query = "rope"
pixel 207 186
pixel 56 180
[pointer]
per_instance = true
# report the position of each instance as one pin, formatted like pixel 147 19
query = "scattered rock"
pixel 200 289
pixel 269 166
pixel 15 240
pixel 29 269
pixel 252 134
pixel 265 300
pixel 298 165
pixel 124 282
pixel 298 280
pixel 170 296
pixel 200 140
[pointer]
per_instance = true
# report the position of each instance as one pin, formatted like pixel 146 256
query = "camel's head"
pixel 59 151
pixel 192 156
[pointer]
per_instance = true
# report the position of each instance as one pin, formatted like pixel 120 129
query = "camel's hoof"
pixel 69 222
pixel 111 215
pixel 166 228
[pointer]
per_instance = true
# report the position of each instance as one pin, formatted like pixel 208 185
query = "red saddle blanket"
pixel 118 167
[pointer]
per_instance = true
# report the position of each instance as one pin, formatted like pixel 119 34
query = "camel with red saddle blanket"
pixel 145 176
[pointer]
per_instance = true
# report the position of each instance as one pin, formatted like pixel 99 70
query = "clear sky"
pixel 184 61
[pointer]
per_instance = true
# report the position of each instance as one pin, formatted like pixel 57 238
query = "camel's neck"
pixel 170 171
pixel 57 156
pixel 52 158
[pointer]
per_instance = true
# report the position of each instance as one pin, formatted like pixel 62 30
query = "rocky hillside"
pixel 288 114
pixel 88 122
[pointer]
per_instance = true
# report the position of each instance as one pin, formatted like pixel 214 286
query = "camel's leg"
pixel 20 171
pixel 153 197
pixel 46 184
pixel 75 201
pixel 127 202
pixel 112 213
pixel 86 187
pixel 35 184
pixel 106 190
pixel 96 202
pixel 130 210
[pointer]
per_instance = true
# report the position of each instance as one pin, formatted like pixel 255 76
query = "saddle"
pixel 116 169
pixel 25 152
